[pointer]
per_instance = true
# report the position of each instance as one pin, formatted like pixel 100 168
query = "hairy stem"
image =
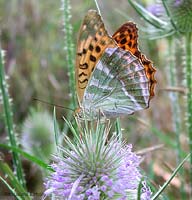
pixel 188 45
pixel 8 116
pixel 174 96
pixel 174 99
pixel 69 48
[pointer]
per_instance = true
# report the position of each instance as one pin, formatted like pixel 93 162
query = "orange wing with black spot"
pixel 127 38
pixel 92 42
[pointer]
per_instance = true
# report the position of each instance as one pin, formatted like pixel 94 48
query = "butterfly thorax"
pixel 86 113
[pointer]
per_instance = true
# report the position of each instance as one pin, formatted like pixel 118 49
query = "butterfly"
pixel 113 78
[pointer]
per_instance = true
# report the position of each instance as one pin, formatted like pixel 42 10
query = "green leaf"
pixel 151 19
pixel 72 128
pixel 16 188
pixel 28 156
pixel 169 180
pixel 56 128
pixel 10 188
pixel 118 128
pixel 158 34
pixel 180 15
pixel 139 190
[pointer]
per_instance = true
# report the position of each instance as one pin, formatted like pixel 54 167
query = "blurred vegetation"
pixel 35 61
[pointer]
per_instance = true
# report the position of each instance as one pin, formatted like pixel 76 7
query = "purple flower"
pixel 156 9
pixel 159 10
pixel 96 168
pixel 178 2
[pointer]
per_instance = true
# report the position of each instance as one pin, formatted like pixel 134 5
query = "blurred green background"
pixel 35 62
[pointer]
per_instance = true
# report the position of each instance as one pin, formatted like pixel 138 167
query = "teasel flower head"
pixel 180 11
pixel 94 167
pixel 178 14
pixel 38 135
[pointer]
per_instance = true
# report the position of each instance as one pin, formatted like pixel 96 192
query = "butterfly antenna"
pixel 52 104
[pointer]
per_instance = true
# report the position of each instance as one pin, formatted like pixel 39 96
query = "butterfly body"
pixel 113 77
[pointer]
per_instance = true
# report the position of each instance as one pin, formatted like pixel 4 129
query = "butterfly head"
pixel 84 114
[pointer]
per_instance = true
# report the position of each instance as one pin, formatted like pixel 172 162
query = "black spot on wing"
pixel 92 58
pixel 83 66
pixel 122 36
pixel 91 47
pixel 82 87
pixel 83 81
pixel 123 41
pixel 98 49
pixel 84 51
pixel 130 44
pixel 82 74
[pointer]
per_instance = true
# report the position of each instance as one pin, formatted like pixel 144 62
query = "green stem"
pixel 174 96
pixel 174 99
pixel 9 122
pixel 169 15
pixel 165 185
pixel 69 49
pixel 188 45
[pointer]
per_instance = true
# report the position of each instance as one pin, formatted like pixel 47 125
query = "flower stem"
pixel 174 96
pixel 188 45
pixel 8 116
pixel 69 48
pixel 175 106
